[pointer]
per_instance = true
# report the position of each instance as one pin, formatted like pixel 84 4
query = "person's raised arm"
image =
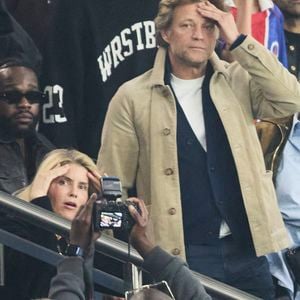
pixel 41 183
pixel 139 236
pixel 160 264
pixel 245 9
pixel 69 283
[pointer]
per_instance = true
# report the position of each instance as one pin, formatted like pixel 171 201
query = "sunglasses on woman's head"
pixel 15 97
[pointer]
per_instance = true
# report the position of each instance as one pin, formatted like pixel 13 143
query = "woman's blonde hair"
pixel 60 157
pixel 166 9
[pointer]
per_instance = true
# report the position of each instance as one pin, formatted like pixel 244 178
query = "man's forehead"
pixel 17 75
pixel 11 70
pixel 189 11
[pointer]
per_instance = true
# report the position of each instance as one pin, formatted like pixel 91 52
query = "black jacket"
pixel 15 172
pixel 293 52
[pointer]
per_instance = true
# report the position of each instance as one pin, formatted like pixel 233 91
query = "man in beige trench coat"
pixel 183 133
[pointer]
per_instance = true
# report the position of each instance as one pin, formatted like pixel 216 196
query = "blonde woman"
pixel 63 183
pixel 65 177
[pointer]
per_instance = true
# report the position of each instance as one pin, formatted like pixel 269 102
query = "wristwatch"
pixel 74 250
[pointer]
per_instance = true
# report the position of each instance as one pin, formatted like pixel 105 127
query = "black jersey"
pixel 95 46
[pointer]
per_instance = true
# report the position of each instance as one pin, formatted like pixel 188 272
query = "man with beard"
pixel 21 147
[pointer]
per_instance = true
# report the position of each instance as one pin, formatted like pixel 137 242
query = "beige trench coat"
pixel 139 140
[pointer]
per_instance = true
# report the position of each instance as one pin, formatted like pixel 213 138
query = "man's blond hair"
pixel 166 9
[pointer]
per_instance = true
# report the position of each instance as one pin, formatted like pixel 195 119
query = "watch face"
pixel 74 250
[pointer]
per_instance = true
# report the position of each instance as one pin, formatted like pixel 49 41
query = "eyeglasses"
pixel 15 97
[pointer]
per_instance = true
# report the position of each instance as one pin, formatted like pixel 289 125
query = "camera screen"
pixel 110 219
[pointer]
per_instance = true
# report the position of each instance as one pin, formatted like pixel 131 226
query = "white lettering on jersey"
pixel 138 37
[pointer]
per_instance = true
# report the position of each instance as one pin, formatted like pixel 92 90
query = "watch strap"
pixel 74 250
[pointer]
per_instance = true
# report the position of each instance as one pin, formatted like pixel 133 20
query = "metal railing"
pixel 106 245
pixel 53 258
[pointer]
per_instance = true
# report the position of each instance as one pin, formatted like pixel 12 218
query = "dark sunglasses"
pixel 14 97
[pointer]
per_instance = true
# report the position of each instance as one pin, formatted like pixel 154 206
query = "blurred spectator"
pixel 281 148
pixel 63 183
pixel 35 17
pixel 264 21
pixel 21 147
pixel 16 43
pixel 69 282
pixel 280 144
pixel 291 12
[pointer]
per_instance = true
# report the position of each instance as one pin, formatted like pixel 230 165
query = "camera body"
pixel 108 212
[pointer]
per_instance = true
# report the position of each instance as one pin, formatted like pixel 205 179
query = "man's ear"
pixel 165 35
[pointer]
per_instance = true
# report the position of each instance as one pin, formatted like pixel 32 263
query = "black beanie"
pixel 16 47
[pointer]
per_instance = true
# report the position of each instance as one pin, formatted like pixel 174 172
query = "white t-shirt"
pixel 189 96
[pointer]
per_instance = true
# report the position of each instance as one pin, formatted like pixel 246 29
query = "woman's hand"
pixel 41 183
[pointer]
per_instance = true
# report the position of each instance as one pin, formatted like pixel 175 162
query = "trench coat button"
pixel 292 48
pixel 251 47
pixel 166 131
pixel 172 211
pixel 169 171
pixel 176 251
pixel 166 93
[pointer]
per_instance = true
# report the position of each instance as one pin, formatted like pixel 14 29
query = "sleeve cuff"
pixel 156 260
pixel 72 265
pixel 238 41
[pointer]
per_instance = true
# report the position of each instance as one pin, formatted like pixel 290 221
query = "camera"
pixel 108 211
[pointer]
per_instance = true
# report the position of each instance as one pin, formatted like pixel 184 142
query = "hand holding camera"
pixel 141 237
pixel 109 211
